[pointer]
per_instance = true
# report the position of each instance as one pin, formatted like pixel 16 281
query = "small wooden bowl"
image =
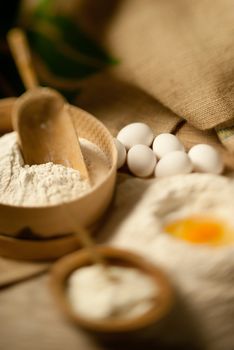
pixel 107 329
pixel 50 221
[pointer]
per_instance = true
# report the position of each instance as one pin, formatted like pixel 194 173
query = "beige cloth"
pixel 178 51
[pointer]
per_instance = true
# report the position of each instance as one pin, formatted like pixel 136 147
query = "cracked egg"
pixel 199 229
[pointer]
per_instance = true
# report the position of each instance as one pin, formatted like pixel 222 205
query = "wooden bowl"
pixel 50 221
pixel 37 250
pixel 106 329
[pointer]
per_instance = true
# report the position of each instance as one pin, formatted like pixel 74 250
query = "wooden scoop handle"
pixel 18 44
pixel 21 53
pixel 88 242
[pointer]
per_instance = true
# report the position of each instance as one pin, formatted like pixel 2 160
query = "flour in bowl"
pixel 122 292
pixel 45 184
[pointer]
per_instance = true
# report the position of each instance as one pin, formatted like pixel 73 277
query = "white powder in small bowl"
pixel 120 292
pixel 45 184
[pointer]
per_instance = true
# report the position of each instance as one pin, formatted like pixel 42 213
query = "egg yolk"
pixel 200 230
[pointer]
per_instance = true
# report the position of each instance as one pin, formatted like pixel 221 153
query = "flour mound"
pixel 201 274
pixel 36 185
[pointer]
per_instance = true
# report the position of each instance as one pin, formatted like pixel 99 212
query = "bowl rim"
pixel 62 269
pixel 113 167
pixel 37 250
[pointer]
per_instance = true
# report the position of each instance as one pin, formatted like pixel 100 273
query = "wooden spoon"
pixel 41 117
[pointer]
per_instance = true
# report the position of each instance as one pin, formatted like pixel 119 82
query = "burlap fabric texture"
pixel 180 52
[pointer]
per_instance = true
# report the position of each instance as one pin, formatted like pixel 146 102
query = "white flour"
pixel 203 275
pixel 45 184
pixel 123 292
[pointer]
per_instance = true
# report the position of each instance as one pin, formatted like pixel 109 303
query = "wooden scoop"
pixel 45 129
pixel 41 117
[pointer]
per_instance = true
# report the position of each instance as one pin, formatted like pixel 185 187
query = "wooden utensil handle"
pixel 88 243
pixel 19 48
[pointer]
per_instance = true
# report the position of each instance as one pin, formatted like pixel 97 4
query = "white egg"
pixel 141 160
pixel 206 159
pixel 134 134
pixel 121 150
pixel 165 143
pixel 173 163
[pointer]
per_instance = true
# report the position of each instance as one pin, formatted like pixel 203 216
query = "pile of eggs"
pixel 163 155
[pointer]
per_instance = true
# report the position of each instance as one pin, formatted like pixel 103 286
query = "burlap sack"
pixel 178 51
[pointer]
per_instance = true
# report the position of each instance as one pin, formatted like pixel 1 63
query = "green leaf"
pixel 57 62
pixel 73 35
pixel 66 50
pixel 60 42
